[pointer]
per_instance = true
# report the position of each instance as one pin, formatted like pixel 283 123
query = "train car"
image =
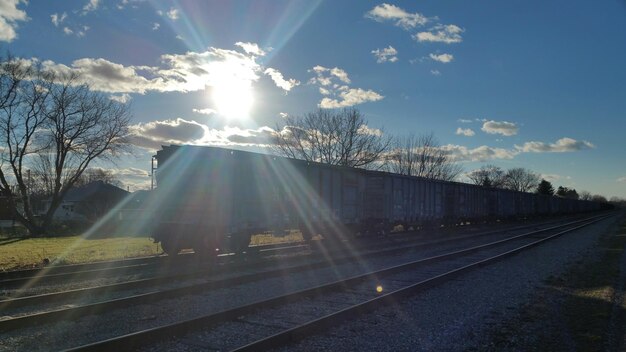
pixel 214 199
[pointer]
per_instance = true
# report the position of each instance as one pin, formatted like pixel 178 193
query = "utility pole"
pixel 152 168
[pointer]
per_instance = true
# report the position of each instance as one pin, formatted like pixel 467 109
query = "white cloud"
pixel 106 76
pixel 482 153
pixel 341 74
pixel 500 127
pixel 80 32
pixel 339 95
pixel 251 48
pixel 443 58
pixel 156 26
pixel 153 134
pixel 173 14
pixel 435 72
pixel 442 34
pixel 465 132
pixel 351 97
pixel 124 98
pixel 386 54
pixel 280 82
pixel 9 16
pixel 622 179
pixel 283 115
pixel 91 5
pixel 58 19
pixel 206 111
pixel 261 137
pixel 191 71
pixel 365 129
pixel 464 121
pixel 122 4
pixel 387 12
pixel 560 146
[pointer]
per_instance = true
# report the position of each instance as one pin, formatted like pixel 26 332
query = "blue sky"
pixel 535 84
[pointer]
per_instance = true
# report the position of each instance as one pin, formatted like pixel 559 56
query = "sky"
pixel 534 84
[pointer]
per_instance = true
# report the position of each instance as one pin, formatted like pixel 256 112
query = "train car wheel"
pixel 170 246
pixel 306 234
pixel 242 241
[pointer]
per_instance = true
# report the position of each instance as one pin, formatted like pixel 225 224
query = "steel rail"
pixel 28 300
pixel 307 329
pixel 137 339
pixel 21 321
pixel 15 277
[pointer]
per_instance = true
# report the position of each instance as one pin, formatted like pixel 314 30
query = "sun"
pixel 232 92
pixel 233 99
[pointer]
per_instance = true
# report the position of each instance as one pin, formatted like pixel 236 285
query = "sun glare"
pixel 232 90
pixel 233 99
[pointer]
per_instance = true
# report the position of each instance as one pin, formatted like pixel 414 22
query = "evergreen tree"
pixel 545 187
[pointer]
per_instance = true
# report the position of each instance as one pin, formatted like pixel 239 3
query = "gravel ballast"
pixel 118 322
pixel 457 315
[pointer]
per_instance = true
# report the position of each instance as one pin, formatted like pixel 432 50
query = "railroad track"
pixel 54 306
pixel 139 267
pixel 136 300
pixel 341 300
pixel 64 308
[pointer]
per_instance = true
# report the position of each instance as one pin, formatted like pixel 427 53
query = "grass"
pixel 268 238
pixel 18 253
pixel 587 310
pixel 575 310
pixel 28 253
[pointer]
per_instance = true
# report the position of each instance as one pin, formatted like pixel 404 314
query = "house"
pixel 89 202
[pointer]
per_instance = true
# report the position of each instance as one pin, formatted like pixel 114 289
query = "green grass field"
pixel 28 253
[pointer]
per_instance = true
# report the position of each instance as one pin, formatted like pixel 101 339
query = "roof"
pixel 78 194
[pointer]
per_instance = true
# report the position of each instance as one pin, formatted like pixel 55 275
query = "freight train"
pixel 214 199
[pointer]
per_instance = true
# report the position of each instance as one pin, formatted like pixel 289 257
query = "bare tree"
pixel 422 156
pixel 599 198
pixel 488 176
pixel 618 201
pixel 336 137
pixel 584 195
pixel 51 127
pixel 521 179
pixel 98 174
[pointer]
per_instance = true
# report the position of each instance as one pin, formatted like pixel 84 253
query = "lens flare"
pixel 233 98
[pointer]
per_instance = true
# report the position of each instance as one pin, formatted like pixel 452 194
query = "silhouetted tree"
pixel 488 176
pixel 336 137
pixel 55 126
pixel 422 156
pixel 618 201
pixel 520 179
pixel 584 195
pixel 545 187
pixel 98 174
pixel 599 198
pixel 567 192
